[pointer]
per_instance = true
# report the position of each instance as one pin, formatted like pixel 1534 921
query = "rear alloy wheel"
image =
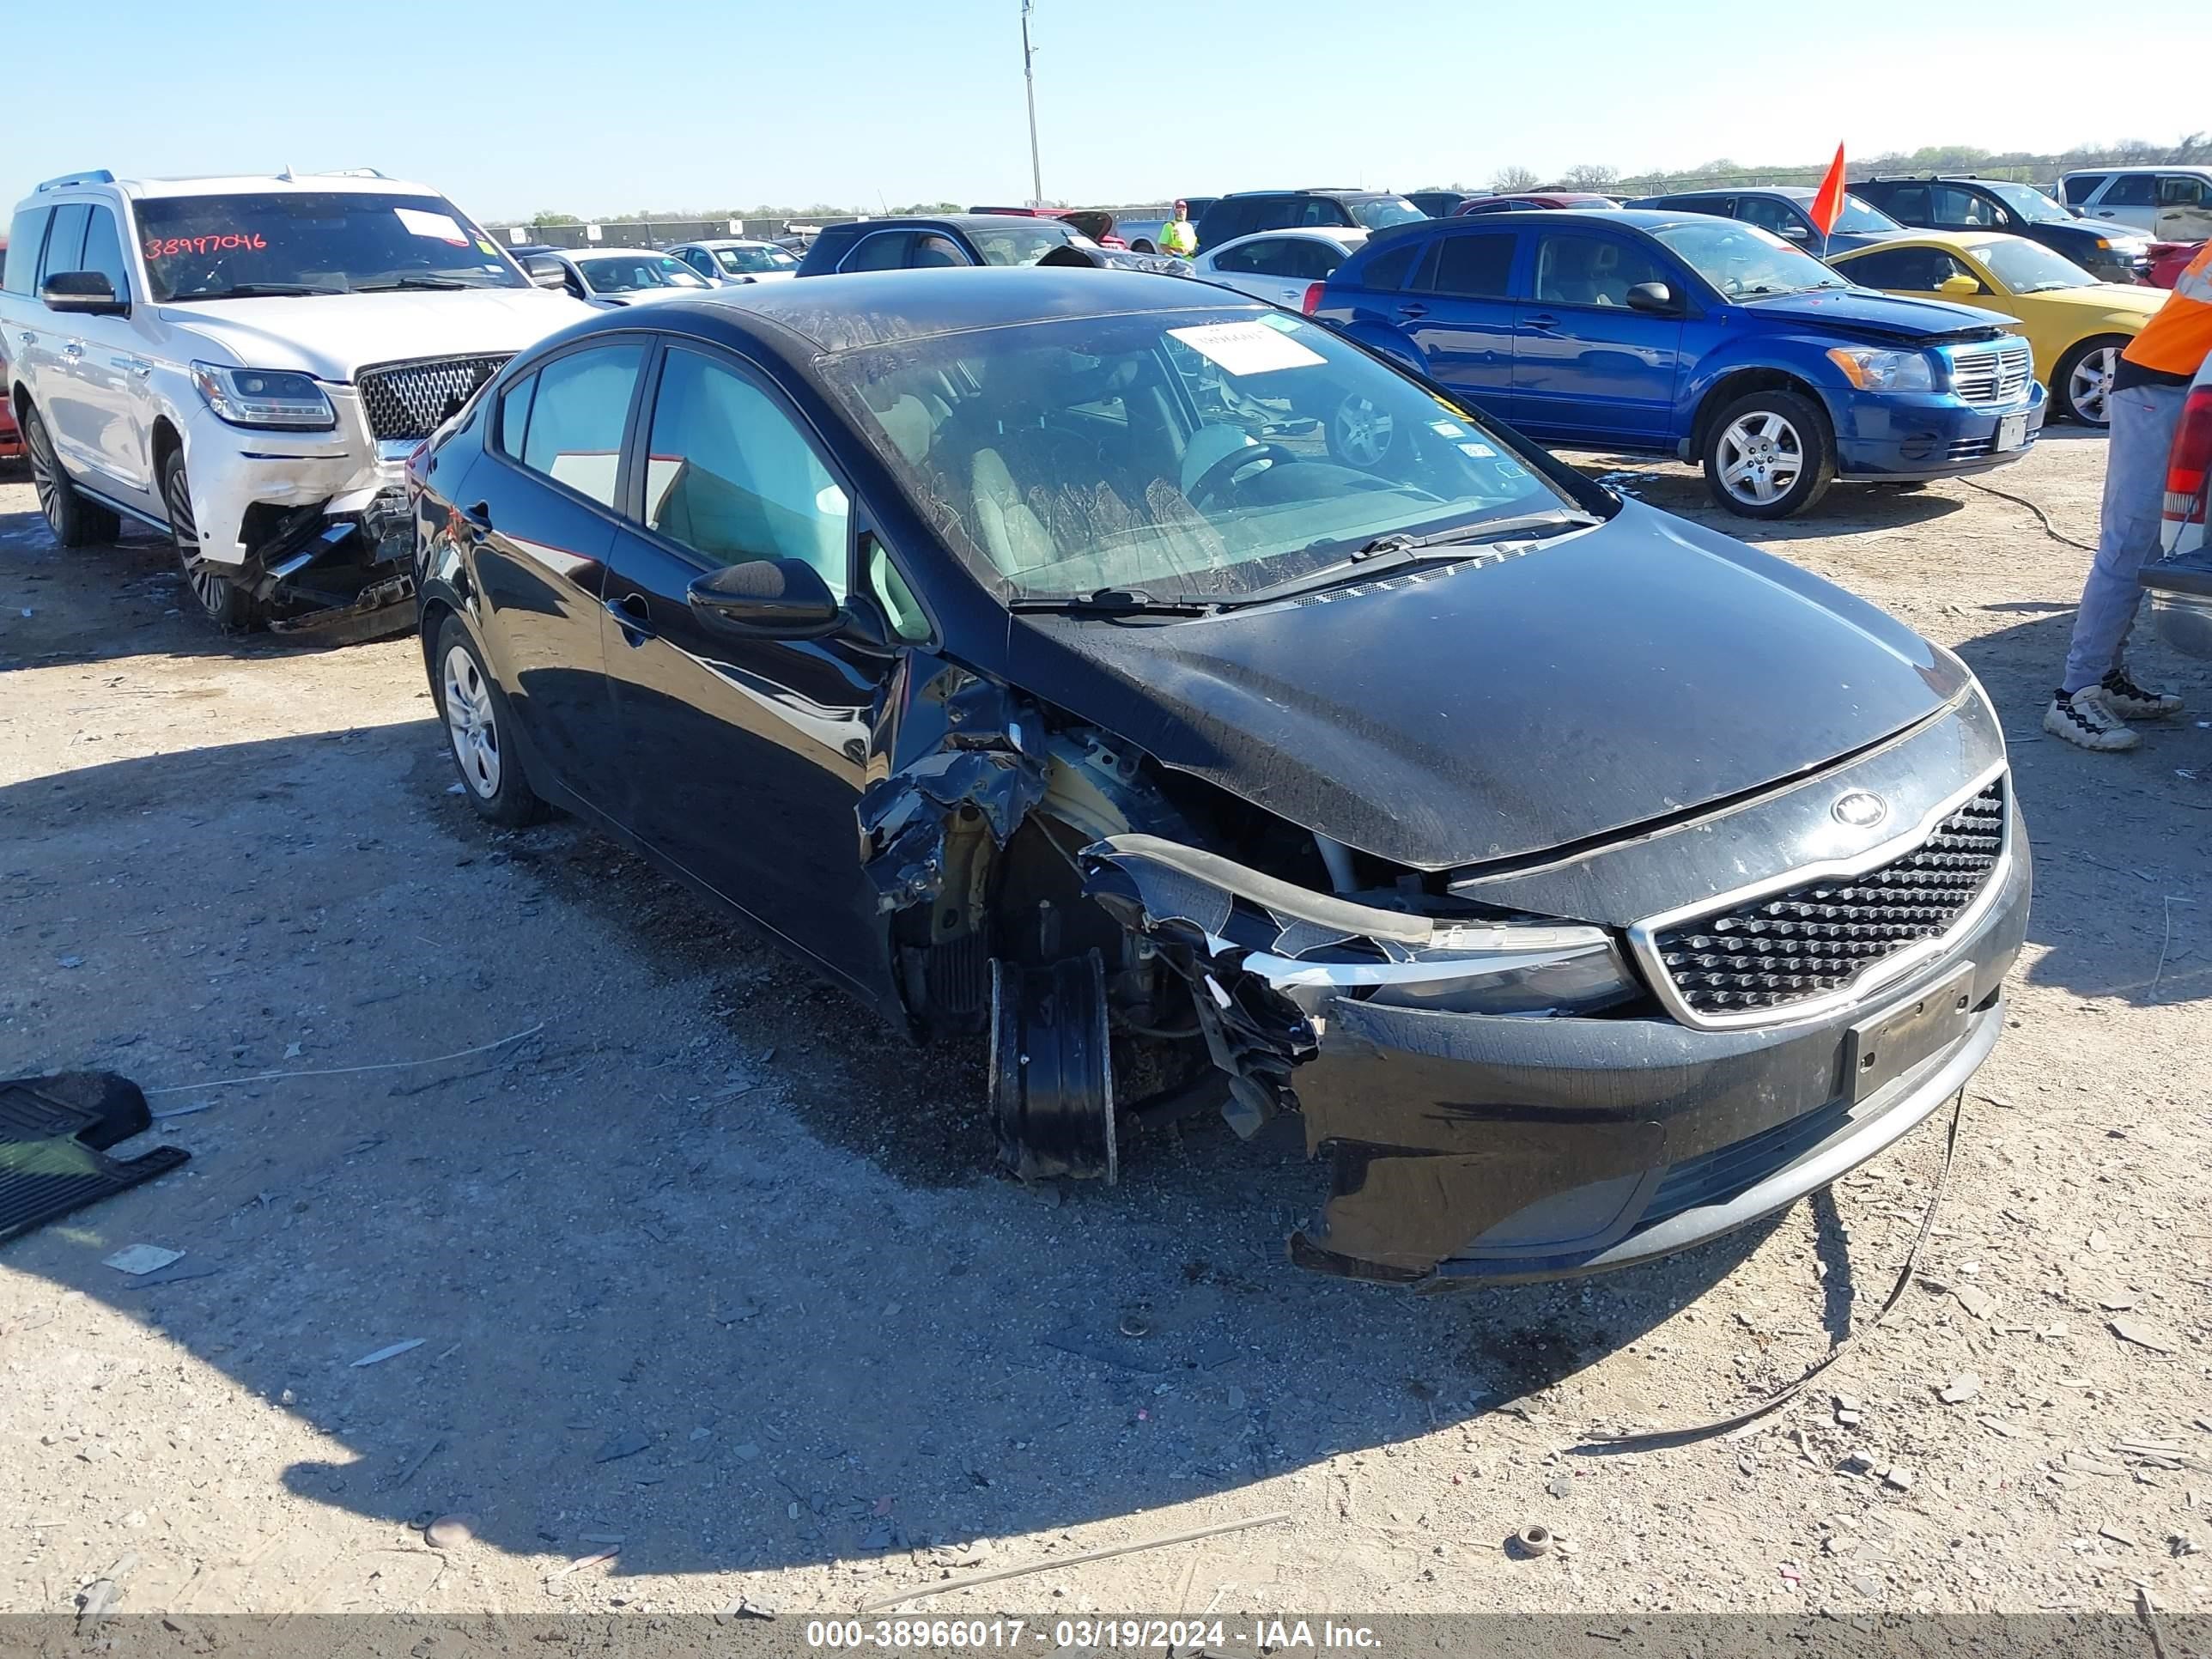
pixel 2081 384
pixel 1360 435
pixel 477 729
pixel 1770 455
pixel 229 606
pixel 75 521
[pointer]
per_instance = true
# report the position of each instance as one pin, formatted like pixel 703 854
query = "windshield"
pixel 1744 262
pixel 2031 204
pixel 2027 267
pixel 753 261
pixel 1193 455
pixel 1020 244
pixel 627 273
pixel 201 247
pixel 1858 218
pixel 1386 211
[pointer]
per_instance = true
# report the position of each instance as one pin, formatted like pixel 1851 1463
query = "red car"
pixel 11 440
pixel 1095 222
pixel 2168 260
pixel 1540 199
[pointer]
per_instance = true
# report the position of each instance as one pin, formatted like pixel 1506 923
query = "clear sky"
pixel 511 105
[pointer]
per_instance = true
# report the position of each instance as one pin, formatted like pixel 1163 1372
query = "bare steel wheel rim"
pixel 1761 457
pixel 46 477
pixel 1363 431
pixel 2089 387
pixel 470 722
pixel 208 584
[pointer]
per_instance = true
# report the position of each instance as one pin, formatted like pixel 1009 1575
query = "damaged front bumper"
pixel 1472 1148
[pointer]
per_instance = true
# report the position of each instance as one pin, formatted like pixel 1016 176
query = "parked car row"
pixel 1028 651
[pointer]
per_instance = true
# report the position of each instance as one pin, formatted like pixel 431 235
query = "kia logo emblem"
pixel 1859 810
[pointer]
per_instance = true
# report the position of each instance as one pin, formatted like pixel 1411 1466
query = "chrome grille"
pixel 406 401
pixel 1994 374
pixel 1823 935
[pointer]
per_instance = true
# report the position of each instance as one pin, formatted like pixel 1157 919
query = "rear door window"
pixel 2080 189
pixel 1387 272
pixel 25 238
pixel 1907 204
pixel 1768 214
pixel 65 240
pixel 2181 190
pixel 578 416
pixel 2132 190
pixel 1477 266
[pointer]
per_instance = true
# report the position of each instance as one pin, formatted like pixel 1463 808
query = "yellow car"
pixel 2077 325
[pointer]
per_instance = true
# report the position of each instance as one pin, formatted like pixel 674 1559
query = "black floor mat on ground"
pixel 54 1134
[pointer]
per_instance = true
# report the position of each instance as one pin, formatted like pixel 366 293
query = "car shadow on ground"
pixel 1847 508
pixel 653 1304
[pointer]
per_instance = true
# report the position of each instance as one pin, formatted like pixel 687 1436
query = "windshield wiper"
pixel 412 282
pixel 1116 602
pixel 253 291
pixel 1398 552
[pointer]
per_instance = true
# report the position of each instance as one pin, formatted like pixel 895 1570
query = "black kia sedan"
pixel 1026 651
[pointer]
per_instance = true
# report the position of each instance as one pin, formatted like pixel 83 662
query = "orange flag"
pixel 1828 203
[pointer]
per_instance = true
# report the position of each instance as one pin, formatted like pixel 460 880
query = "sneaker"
pixel 2131 702
pixel 2084 720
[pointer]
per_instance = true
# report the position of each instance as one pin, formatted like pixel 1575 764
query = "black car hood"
pixel 1486 711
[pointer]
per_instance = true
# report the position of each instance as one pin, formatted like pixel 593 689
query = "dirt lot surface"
pixel 706 1273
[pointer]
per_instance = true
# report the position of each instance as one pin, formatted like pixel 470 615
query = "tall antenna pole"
pixel 1028 78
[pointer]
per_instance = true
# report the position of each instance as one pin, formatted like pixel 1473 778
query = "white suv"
pixel 2172 203
pixel 246 364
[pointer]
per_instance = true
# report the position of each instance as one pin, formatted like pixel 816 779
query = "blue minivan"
pixel 1680 333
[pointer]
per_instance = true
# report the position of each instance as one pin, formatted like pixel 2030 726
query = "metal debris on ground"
pixel 392 1350
pixel 141 1258
pixel 1534 1541
pixel 1079 1558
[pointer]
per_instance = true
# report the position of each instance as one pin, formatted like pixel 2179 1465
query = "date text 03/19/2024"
pixel 1132 1635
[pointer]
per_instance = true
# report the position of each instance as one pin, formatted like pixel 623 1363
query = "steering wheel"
pixel 1225 471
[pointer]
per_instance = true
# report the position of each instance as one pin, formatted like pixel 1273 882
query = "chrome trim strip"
pixel 1643 940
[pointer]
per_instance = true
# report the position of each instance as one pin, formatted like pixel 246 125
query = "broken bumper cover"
pixel 1474 1149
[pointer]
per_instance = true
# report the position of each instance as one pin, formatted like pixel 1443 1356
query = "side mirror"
pixel 86 292
pixel 1958 283
pixel 1796 233
pixel 767 598
pixel 545 272
pixel 1654 297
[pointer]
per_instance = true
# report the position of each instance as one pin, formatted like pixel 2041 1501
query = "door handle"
pixel 133 365
pixel 2104 213
pixel 73 350
pixel 634 615
pixel 28 338
pixel 1544 322
pixel 1412 311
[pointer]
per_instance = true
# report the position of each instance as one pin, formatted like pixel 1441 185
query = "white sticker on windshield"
pixel 440 225
pixel 1481 452
pixel 1246 347
pixel 1448 428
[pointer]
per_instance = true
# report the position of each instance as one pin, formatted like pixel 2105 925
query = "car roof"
pixel 617 253
pixel 1316 190
pixel 363 182
pixel 2135 167
pixel 1799 193
pixel 1951 242
pixel 1339 234
pixel 728 241
pixel 959 221
pixel 881 307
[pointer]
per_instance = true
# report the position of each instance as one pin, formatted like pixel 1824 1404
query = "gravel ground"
pixel 706 1273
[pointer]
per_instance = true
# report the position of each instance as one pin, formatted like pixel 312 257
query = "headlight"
pixel 264 398
pixel 1870 370
pixel 1477 969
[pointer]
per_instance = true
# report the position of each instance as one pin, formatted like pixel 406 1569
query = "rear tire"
pixel 229 606
pixel 75 521
pixel 1770 454
pixel 2082 384
pixel 480 729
